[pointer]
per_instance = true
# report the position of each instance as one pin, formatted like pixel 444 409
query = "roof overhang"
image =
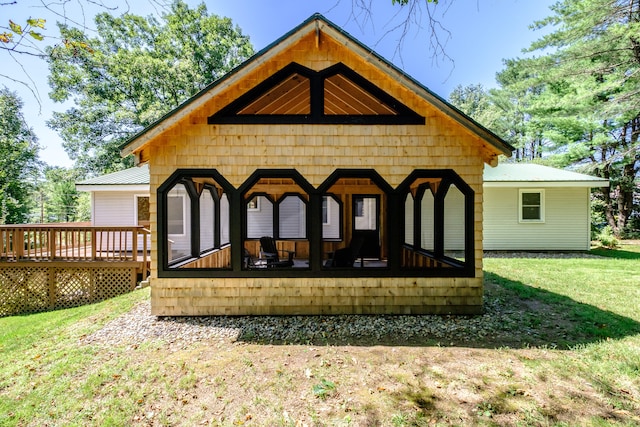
pixel 545 184
pixel 137 188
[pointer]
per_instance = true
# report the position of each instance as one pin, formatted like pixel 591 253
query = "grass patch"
pixel 580 366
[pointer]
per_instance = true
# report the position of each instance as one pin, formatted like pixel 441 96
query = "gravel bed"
pixel 495 327
pixel 138 326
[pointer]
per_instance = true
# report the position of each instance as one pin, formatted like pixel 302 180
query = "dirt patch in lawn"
pixel 517 370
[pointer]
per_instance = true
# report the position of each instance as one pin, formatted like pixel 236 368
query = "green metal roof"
pixel 132 176
pixel 503 173
pixel 534 173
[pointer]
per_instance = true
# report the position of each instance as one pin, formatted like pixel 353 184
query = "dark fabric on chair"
pixel 270 252
pixel 247 260
pixel 346 257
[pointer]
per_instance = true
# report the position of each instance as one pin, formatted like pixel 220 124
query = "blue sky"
pixel 482 34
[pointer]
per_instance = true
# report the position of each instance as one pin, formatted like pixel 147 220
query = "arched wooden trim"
pixel 315 113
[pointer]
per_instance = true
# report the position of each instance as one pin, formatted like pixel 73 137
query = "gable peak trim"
pixel 296 94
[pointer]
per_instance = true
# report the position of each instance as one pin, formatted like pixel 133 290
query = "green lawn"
pixel 587 375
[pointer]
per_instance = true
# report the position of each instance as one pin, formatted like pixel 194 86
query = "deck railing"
pixel 72 242
pixel 50 266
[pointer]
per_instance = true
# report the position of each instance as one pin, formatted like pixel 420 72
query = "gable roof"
pixel 534 175
pixel 317 24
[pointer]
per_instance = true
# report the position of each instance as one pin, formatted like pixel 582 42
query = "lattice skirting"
pixel 34 287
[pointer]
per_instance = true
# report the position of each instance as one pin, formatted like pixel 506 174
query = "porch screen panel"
pixel 330 218
pixel 224 220
pixel 178 223
pixel 260 218
pixel 207 221
pixel 366 213
pixel 427 221
pixel 408 220
pixel 292 215
pixel 454 227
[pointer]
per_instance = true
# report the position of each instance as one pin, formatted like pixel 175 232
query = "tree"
pixel 23 39
pixel 18 160
pixel 478 103
pixel 591 101
pixel 412 13
pixel 139 69
pixel 57 197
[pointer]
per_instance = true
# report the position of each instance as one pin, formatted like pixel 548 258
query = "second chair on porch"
pixel 270 252
pixel 346 257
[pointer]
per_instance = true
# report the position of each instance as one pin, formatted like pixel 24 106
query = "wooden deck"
pixel 49 266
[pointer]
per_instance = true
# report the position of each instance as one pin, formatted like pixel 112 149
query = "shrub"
pixel 606 238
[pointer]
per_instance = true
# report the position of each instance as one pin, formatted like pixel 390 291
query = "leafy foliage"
pixel 137 70
pixel 607 239
pixel 59 201
pixel 13 35
pixel 18 160
pixel 578 103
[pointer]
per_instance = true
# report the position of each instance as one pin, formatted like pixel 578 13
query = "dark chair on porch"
pixel 270 252
pixel 346 257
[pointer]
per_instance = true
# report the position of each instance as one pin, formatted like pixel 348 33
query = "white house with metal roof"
pixel 526 206
pixel 534 207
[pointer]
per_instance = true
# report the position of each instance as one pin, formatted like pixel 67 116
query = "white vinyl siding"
pixel 453 220
pixel 331 228
pixel 565 226
pixel 207 214
pixel 292 213
pixel 116 208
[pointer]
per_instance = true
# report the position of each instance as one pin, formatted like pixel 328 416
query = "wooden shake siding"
pixel 566 225
pixel 315 151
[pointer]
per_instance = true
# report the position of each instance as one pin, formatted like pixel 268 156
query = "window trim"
pixel 136 207
pixel 521 205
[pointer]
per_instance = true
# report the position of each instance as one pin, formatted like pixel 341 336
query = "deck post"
pixel 18 246
pixel 94 243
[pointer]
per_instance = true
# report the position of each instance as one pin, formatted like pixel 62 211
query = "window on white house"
pixel 142 211
pixel 532 205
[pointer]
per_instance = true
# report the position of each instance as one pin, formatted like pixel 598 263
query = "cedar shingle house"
pixel 368 182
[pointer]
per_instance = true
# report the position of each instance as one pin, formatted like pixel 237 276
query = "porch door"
pixel 366 222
